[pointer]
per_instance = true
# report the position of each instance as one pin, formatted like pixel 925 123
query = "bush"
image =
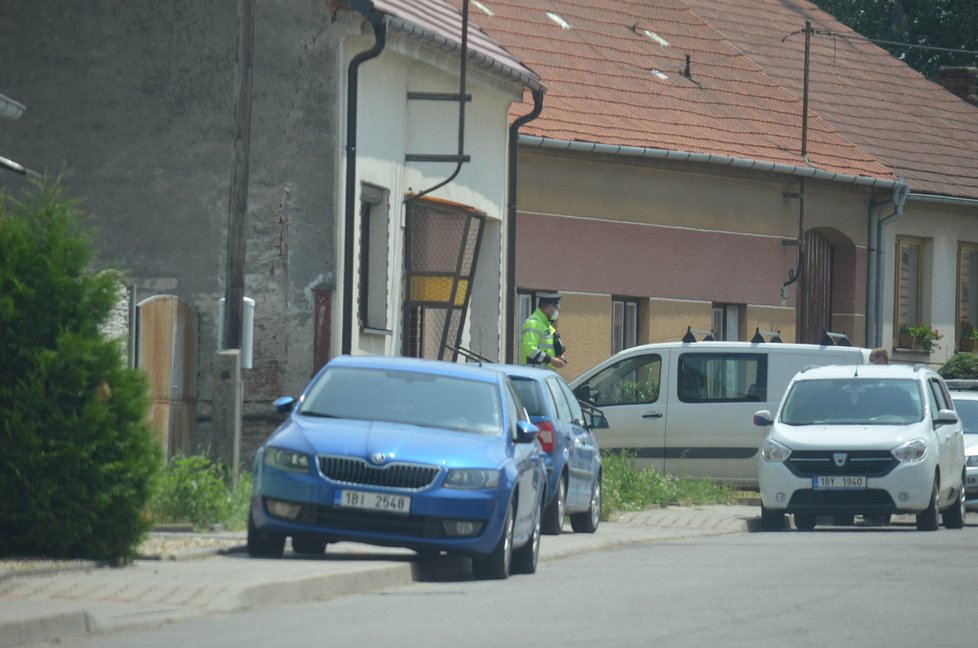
pixel 961 365
pixel 77 455
pixel 194 490
pixel 627 488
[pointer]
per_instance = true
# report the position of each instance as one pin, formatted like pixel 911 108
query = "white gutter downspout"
pixel 874 274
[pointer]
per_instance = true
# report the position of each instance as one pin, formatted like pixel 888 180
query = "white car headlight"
pixel 472 478
pixel 286 460
pixel 774 451
pixel 912 451
pixel 973 461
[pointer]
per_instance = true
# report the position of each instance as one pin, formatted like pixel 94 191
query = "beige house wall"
pixel 679 238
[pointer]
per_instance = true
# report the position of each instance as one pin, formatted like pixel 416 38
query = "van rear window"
pixel 722 377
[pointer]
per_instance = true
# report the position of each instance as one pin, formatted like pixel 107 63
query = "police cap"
pixel 547 298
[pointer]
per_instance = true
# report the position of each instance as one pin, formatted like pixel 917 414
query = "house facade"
pixel 736 168
pixel 133 105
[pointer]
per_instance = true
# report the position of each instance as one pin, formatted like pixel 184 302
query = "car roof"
pixel 868 371
pixel 523 371
pixel 400 363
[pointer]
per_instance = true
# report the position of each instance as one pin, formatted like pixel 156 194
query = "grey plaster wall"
pixel 132 103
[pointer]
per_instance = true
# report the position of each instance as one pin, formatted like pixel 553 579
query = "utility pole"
pixel 238 202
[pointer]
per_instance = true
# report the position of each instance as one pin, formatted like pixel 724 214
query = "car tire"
pixel 525 558
pixel 928 520
pixel 496 565
pixel 308 546
pixel 953 517
pixel 771 521
pixel 588 521
pixel 553 515
pixel 264 545
pixel 805 521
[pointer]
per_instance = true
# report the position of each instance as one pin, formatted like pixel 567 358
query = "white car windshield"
pixel 968 411
pixel 852 402
pixel 412 398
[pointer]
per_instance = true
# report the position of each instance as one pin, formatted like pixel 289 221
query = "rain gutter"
pixel 707 158
pixel 514 136
pixel 380 41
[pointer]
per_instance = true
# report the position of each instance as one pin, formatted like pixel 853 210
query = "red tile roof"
pixel 870 115
pixel 912 125
pixel 439 22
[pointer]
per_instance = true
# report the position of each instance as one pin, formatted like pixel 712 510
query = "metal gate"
pixel 815 295
pixel 441 252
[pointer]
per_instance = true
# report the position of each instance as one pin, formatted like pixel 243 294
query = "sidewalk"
pixel 196 575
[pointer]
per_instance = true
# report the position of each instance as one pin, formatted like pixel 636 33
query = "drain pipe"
pixel 514 132
pixel 874 278
pixel 380 41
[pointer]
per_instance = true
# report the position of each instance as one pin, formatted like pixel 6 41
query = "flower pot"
pixel 906 341
pixel 967 345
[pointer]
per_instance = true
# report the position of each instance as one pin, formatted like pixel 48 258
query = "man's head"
pixel 549 302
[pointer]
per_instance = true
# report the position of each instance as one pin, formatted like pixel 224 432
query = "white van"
pixel 686 408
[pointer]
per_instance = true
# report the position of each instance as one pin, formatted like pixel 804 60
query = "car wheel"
pixel 953 517
pixel 771 521
pixel 496 565
pixel 308 546
pixel 525 558
pixel 805 522
pixel 588 521
pixel 928 520
pixel 553 515
pixel 264 545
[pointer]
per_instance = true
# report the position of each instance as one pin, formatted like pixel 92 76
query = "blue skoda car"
pixel 402 452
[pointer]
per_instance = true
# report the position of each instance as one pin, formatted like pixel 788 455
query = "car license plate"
pixel 375 501
pixel 971 480
pixel 839 482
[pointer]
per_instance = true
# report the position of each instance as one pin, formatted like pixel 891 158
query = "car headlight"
pixel 774 451
pixel 472 478
pixel 973 461
pixel 286 460
pixel 912 451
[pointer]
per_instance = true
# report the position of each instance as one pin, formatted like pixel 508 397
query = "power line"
pixel 880 41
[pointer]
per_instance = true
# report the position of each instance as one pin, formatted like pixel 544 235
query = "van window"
pixel 632 381
pixel 722 377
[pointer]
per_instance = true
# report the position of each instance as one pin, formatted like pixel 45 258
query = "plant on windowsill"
pixel 922 336
pixel 969 334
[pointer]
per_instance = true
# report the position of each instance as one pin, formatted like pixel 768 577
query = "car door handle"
pixel 652 415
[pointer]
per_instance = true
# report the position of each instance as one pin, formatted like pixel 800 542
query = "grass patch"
pixel 194 490
pixel 627 488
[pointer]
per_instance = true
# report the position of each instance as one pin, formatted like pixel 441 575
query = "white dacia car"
pixel 869 440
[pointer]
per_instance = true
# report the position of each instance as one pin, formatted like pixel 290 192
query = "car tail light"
pixel 546 435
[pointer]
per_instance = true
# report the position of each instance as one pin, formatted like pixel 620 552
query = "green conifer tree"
pixel 77 456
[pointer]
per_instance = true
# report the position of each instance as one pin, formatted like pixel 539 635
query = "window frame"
pixel 624 323
pixel 373 274
pixel 912 302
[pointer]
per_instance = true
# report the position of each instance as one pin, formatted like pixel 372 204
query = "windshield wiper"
pixel 317 414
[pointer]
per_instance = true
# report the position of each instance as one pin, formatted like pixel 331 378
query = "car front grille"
pixel 353 470
pixel 418 526
pixel 871 463
pixel 842 501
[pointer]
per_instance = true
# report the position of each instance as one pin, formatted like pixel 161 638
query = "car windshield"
pixel 853 401
pixel 408 397
pixel 968 411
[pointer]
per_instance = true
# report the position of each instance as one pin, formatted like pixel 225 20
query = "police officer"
pixel 539 342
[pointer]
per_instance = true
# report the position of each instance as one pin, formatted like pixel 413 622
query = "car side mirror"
pixel 762 418
pixel 283 404
pixel 946 417
pixel 598 421
pixel 526 432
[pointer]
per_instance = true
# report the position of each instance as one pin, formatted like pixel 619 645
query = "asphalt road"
pixel 856 586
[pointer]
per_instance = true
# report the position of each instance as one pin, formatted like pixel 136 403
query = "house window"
pixel 968 284
pixel 374 220
pixel 908 272
pixel 624 323
pixel 726 321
